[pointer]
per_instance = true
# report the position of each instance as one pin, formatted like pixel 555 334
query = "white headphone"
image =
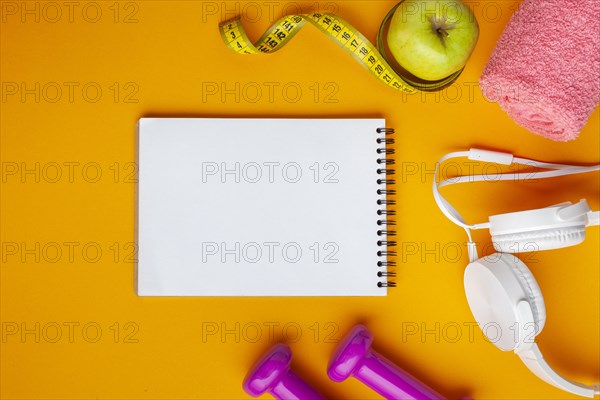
pixel 500 289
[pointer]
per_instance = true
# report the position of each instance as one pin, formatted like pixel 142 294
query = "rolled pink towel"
pixel 545 70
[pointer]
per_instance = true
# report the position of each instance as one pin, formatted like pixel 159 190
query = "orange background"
pixel 159 58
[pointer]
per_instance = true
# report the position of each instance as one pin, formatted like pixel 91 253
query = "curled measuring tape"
pixel 340 31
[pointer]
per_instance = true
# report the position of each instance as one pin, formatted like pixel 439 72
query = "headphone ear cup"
pixel 495 285
pixel 545 239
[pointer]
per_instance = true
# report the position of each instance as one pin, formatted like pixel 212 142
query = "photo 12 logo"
pixel 69 12
pixel 270 252
pixel 68 252
pixel 269 172
pixel 456 252
pixel 423 172
pixel 269 331
pixel 270 92
pixel 257 11
pixel 89 92
pixel 454 332
pixel 68 172
pixel 69 332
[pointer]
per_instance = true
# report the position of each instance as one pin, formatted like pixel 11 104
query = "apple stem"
pixel 440 27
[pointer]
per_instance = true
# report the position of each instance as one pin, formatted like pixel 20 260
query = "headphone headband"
pixel 496 157
pixel 534 360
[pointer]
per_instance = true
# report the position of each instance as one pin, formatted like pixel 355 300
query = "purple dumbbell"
pixel 354 357
pixel 272 374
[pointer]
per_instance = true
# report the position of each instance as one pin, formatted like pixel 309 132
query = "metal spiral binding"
pixel 385 224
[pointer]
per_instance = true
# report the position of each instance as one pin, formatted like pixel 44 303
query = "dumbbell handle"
pixel 391 381
pixel 272 374
pixel 292 387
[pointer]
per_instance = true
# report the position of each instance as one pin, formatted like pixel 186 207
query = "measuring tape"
pixel 340 31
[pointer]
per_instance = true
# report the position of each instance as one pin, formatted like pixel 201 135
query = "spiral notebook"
pixel 264 207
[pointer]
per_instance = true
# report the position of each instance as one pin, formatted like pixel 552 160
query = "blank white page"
pixel 258 207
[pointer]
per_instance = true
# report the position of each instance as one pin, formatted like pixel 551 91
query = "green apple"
pixel 432 39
